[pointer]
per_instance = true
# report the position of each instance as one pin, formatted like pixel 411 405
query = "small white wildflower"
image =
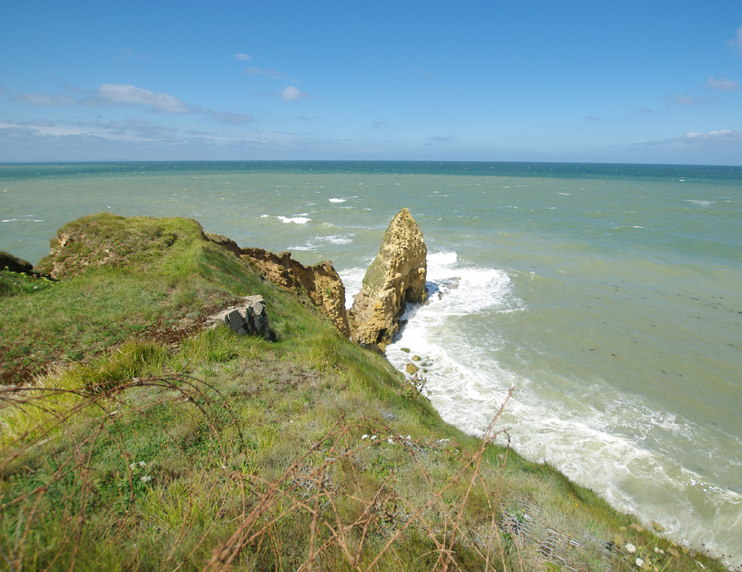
pixel 145 478
pixel 364 437
pixel 630 548
pixel 374 437
pixel 390 440
pixel 142 464
pixel 132 465
pixel 639 562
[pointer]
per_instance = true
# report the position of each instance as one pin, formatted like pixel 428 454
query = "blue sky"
pixel 624 81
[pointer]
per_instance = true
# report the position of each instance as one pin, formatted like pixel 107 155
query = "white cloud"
pixel 686 99
pixel 725 84
pixel 225 117
pixel 273 74
pixel 242 57
pixel 290 93
pixel 738 40
pixel 46 100
pixel 722 136
pixel 132 53
pixel 130 95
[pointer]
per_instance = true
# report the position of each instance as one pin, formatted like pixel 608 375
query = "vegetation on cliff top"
pixel 153 443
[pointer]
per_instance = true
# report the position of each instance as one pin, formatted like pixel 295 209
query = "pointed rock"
pixel 395 277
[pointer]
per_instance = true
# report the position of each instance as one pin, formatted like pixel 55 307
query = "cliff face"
pixel 396 276
pixel 320 282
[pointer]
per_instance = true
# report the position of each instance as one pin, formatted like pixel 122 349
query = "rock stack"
pixel 396 276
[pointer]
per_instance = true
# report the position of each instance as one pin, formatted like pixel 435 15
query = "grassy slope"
pixel 149 450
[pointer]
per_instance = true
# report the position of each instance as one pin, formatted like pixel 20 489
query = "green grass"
pixel 219 451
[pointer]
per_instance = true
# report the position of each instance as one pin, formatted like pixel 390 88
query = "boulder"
pixel 14 264
pixel 395 277
pixel 250 317
pixel 321 283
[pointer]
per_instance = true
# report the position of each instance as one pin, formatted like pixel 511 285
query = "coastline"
pixel 321 358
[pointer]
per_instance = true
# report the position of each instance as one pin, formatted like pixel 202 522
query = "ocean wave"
pixel 335 200
pixel 318 242
pixel 704 204
pixel 296 219
pixel 353 281
pixel 619 448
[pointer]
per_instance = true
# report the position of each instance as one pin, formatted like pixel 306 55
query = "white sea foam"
pixel 615 444
pixel 318 242
pixel 296 219
pixel 338 200
pixel 705 204
pixel 339 239
pixel 352 280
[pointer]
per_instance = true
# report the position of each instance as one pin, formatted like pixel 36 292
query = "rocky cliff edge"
pixel 321 283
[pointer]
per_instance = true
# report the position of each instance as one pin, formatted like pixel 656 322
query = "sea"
pixel 608 296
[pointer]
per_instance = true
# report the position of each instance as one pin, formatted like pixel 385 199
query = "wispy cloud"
pixel 127 95
pixel 131 53
pixel 46 100
pixel 724 139
pixel 225 117
pixel 421 72
pixel 592 118
pixel 119 95
pixel 725 84
pixel 242 57
pixel 686 99
pixel 442 139
pixel 273 74
pixel 291 93
pixel 722 136
pixel 738 40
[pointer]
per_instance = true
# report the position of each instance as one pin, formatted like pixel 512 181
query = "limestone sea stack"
pixel 396 277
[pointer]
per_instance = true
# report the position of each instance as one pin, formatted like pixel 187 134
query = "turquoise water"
pixel 609 296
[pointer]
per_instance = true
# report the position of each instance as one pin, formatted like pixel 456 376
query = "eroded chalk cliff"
pixel 396 276
pixel 320 282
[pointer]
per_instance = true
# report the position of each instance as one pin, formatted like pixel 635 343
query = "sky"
pixel 629 81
